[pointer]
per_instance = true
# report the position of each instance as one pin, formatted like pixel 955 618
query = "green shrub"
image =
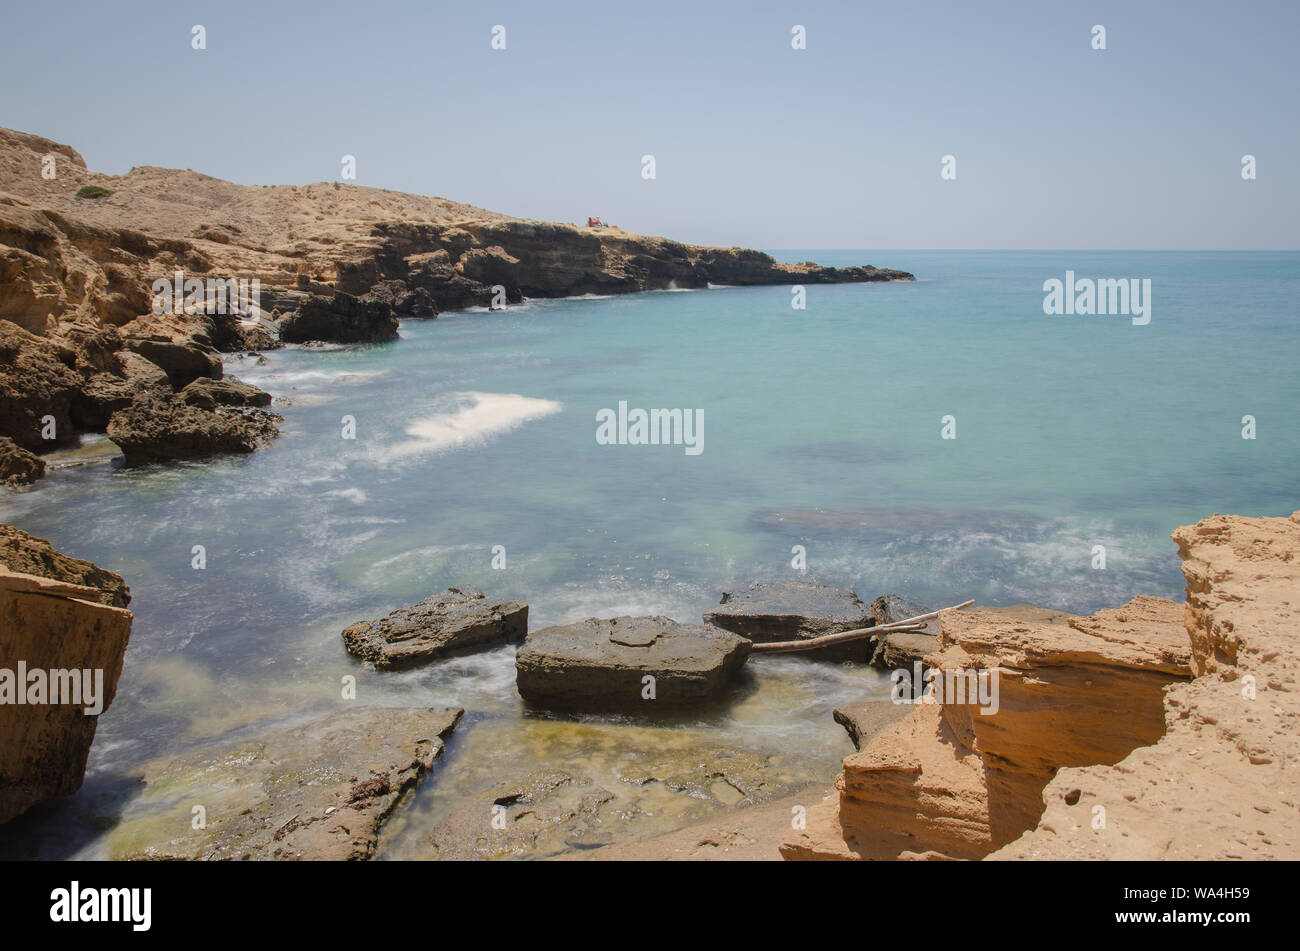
pixel 93 191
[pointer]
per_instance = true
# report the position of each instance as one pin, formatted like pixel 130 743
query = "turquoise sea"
pixel 821 429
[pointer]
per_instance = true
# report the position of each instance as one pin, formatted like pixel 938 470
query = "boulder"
pixel 183 361
pixel 17 465
pixel 601 663
pixel 209 394
pixel 795 611
pixel 339 319
pixel 73 641
pixel 158 426
pixel 318 791
pixel 446 624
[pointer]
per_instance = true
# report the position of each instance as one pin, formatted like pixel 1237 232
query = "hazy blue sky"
pixel 838 145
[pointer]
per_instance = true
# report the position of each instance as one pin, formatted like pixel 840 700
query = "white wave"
pixel 354 495
pixel 477 418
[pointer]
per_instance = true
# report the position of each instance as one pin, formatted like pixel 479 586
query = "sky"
pixel 839 145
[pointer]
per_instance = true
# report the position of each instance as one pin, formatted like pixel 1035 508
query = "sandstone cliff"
pixel 57 614
pixel 1151 731
pixel 1221 782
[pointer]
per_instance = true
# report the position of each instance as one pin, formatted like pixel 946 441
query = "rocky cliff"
pixel 80 252
pixel 63 636
pixel 1151 731
pixel 1221 782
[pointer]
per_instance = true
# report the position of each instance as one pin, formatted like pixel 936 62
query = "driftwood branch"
pixel 826 640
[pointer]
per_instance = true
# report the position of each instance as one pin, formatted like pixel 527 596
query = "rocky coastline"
pixel 1140 732
pixel 84 347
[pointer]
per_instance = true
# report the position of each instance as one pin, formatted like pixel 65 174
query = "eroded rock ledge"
pixel 1221 783
pixel 57 615
pixel 1104 746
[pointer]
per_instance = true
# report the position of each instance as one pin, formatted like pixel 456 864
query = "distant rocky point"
pixel 80 338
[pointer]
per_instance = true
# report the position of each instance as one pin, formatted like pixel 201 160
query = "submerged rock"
pixel 321 790
pixel 551 811
pixel 158 426
pixel 451 622
pixel 795 611
pixel 17 465
pixel 72 636
pixel 603 663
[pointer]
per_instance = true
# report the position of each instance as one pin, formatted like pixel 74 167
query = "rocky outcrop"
pixel 319 791
pixel 17 465
pixel 447 624
pixel 1219 783
pixel 27 554
pixel 645 664
pixel 158 427
pixel 61 651
pixel 341 318
pixel 963 776
pixel 37 389
pixel 794 611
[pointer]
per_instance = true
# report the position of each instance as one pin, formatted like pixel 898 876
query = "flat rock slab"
pixel 601 663
pixel 316 791
pixel 794 611
pixel 452 622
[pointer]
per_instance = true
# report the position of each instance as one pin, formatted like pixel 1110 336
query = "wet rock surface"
pixel 447 624
pixel 158 427
pixel 603 663
pixel 319 791
pixel 555 811
pixel 794 611
pixel 17 465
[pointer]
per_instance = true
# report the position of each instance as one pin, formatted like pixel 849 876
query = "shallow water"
pixel 821 429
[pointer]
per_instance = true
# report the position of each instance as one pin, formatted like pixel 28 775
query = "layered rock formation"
pixel 449 623
pixel 1221 782
pixel 63 636
pixel 80 335
pixel 954 781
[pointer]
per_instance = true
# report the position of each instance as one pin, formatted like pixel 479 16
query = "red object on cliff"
pixel 595 223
